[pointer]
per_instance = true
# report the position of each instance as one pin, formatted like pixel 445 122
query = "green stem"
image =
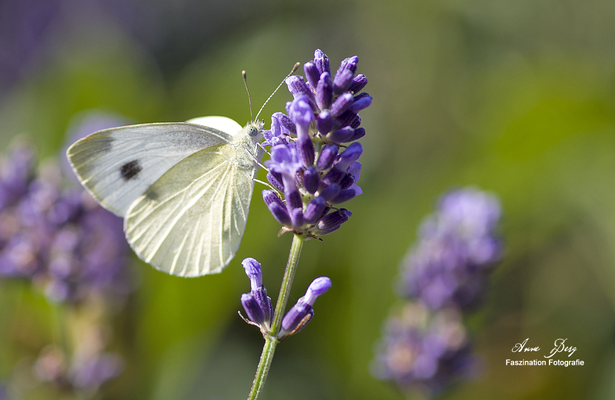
pixel 270 339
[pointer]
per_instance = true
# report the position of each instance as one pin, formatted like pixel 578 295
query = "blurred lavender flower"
pixel 95 371
pixel 306 164
pixel 425 347
pixel 60 239
pixel 457 248
pixel 23 37
pixel 79 373
pixel 424 351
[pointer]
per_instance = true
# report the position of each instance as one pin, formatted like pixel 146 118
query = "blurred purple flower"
pixel 24 31
pixel 456 250
pixel 60 239
pixel 79 372
pixel 426 347
pixel 306 163
pixel 424 351
pixel 95 371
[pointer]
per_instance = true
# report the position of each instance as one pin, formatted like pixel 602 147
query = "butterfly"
pixel 183 189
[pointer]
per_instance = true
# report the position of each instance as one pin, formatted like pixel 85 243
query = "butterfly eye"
pixel 252 131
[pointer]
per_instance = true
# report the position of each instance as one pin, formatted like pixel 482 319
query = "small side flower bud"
pixel 302 312
pixel 256 304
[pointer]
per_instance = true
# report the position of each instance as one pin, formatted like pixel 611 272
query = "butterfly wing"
pixel 118 165
pixel 190 222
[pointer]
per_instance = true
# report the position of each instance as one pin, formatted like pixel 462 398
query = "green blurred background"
pixel 516 97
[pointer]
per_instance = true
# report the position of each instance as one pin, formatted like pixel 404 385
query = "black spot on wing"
pixel 130 170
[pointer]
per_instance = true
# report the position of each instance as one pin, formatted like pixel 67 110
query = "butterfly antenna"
pixel 278 88
pixel 245 82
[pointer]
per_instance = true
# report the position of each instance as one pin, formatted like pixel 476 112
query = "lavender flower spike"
pixel 306 165
pixel 458 247
pixel 425 347
pixel 256 303
pixel 302 312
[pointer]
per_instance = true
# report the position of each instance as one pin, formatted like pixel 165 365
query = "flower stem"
pixel 271 340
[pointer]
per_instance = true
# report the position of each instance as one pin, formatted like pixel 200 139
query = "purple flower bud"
pixel 258 306
pixel 358 134
pixel 344 74
pixel 347 181
pixel 361 102
pixel 355 170
pixel 275 179
pixel 271 197
pixel 314 210
pixel 302 312
pixel 296 217
pixel 311 73
pixel 348 119
pixel 349 156
pixel 285 161
pixel 311 179
pixel 296 319
pixel 306 150
pixel 297 86
pixel 256 303
pixel 335 175
pixel 253 270
pixel 327 156
pixel 253 309
pixel 318 287
pixel 293 199
pixel 321 61
pixel 349 64
pixel 332 221
pixel 282 125
pixel 341 135
pixel 342 81
pixel 343 196
pixel 324 91
pixel 330 192
pixel 276 207
pixel 301 113
pixel 324 122
pixel 341 104
pixel 358 83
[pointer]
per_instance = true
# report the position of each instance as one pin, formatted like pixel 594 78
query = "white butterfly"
pixel 184 189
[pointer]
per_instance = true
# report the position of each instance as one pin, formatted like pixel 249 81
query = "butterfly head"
pixel 254 130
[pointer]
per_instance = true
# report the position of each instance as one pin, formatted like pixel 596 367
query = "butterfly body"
pixel 184 189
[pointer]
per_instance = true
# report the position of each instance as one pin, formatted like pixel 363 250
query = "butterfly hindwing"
pixel 118 165
pixel 191 220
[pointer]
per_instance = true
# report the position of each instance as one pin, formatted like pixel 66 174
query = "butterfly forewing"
pixel 190 222
pixel 118 165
